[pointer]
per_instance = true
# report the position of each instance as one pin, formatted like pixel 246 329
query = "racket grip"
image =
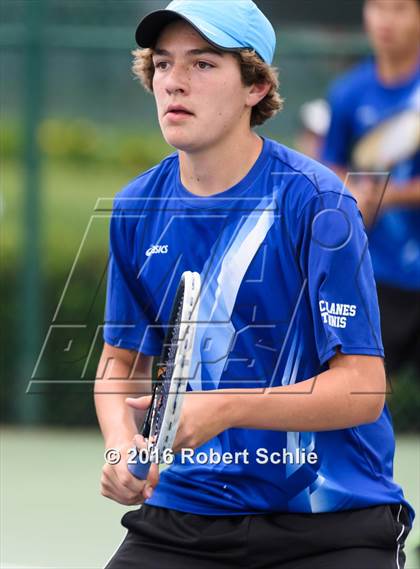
pixel 138 469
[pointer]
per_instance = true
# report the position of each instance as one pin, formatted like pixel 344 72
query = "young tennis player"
pixel 382 89
pixel 284 451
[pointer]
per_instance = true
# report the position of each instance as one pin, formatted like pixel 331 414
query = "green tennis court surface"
pixel 53 516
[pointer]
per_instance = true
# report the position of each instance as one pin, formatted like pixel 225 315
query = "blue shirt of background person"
pixel 373 92
pixel 360 102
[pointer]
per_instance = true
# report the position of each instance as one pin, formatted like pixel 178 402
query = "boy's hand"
pixel 118 484
pixel 203 416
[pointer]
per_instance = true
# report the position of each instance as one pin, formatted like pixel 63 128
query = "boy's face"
pixel 206 83
pixel 393 25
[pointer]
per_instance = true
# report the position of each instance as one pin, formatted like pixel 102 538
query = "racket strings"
pixel 171 371
pixel 164 380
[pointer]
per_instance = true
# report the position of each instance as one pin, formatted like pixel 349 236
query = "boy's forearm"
pixel 114 383
pixel 333 400
pixel 403 195
pixel 117 422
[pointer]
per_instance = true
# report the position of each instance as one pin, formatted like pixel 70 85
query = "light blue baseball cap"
pixel 228 24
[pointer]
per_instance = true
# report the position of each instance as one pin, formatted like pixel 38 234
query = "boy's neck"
pixel 217 169
pixel 392 70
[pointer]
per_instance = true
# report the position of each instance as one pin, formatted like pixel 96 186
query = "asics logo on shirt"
pixel 157 250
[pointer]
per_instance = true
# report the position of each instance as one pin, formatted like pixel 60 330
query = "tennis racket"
pixel 392 141
pixel 170 374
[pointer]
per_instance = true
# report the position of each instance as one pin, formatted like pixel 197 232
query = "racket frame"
pixel 190 287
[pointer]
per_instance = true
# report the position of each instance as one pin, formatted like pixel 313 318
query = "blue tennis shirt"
pixel 286 281
pixel 360 102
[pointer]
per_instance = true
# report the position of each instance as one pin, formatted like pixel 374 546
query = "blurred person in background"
pixel 371 94
pixel 314 119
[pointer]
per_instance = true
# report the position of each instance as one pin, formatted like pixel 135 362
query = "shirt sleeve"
pixel 338 141
pixel 336 264
pixel 129 319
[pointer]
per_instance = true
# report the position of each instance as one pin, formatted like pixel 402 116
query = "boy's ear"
pixel 257 93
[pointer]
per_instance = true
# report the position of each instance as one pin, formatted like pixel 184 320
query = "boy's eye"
pixel 204 65
pixel 163 65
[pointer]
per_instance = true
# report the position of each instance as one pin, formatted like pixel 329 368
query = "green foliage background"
pixel 83 165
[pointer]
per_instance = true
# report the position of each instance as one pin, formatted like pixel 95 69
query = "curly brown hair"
pixel 253 70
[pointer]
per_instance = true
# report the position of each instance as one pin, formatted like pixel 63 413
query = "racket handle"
pixel 138 469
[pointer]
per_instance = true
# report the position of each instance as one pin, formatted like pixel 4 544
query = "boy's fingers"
pixel 142 403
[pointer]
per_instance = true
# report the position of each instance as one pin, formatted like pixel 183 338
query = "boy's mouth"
pixel 178 110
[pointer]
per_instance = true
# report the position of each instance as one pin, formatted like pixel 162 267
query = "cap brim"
pixel 151 26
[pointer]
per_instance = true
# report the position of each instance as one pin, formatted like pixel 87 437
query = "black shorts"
pixel 158 538
pixel 400 324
